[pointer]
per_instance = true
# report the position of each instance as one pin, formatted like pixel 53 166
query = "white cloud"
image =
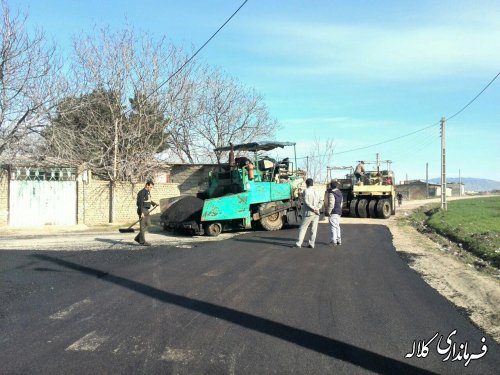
pixel 374 52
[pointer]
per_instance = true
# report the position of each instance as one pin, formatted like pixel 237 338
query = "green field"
pixel 474 223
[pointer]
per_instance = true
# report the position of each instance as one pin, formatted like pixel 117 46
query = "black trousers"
pixel 145 222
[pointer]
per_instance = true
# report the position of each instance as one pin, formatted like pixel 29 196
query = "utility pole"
pixel 115 162
pixel 113 183
pixel 427 178
pixel 444 204
pixel 459 183
pixel 295 157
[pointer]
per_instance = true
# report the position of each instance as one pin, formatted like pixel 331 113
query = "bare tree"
pixel 320 157
pixel 120 109
pixel 29 81
pixel 183 111
pixel 132 103
pixel 218 111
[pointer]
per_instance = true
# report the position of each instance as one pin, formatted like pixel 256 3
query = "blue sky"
pixel 357 72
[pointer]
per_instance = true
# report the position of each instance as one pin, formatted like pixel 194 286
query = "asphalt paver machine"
pixel 241 194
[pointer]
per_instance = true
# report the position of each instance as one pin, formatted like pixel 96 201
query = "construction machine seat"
pixel 266 164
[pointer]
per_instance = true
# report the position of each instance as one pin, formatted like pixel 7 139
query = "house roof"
pixel 417 182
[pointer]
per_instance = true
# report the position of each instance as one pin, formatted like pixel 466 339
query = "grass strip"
pixel 472 223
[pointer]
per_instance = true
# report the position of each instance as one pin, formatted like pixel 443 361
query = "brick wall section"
pixel 93 206
pixel 94 201
pixel 191 179
pixel 4 197
pixel 126 196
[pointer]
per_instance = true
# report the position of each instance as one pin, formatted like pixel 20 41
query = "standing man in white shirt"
pixel 313 201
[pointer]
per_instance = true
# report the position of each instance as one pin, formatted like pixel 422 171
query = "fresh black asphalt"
pixel 248 305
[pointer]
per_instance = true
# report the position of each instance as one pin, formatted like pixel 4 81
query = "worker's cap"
pixel 334 183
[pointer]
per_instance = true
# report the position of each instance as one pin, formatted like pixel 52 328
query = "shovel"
pixel 130 229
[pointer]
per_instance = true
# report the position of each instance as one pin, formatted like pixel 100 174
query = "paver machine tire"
pixel 213 229
pixel 384 208
pixel 274 221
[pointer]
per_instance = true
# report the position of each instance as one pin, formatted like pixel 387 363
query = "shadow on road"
pixel 46 269
pixel 312 341
pixel 281 238
pixel 262 241
pixel 115 242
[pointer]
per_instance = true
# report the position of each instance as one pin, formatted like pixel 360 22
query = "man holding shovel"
pixel 144 204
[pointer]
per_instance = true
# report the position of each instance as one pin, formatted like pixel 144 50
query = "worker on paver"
pixel 144 205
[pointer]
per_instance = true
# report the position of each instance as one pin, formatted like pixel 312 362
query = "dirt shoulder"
pixel 475 292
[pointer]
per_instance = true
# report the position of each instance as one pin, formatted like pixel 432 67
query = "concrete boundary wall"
pixel 97 204
pixel 191 178
pixel 4 197
pixel 94 198
pixel 95 201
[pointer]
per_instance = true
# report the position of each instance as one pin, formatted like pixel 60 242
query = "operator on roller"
pixel 359 172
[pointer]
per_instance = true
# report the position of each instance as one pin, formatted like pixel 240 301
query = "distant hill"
pixel 472 184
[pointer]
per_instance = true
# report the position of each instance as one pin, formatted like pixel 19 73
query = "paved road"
pixel 246 305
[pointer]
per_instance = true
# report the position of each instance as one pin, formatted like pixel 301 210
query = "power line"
pixel 477 96
pixel 197 51
pixel 387 141
pixel 373 145
pixel 183 65
pixel 414 132
pixel 411 150
pixel 409 143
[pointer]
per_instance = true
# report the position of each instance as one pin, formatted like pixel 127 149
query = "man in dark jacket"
pixel 333 209
pixel 144 205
